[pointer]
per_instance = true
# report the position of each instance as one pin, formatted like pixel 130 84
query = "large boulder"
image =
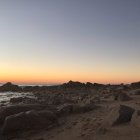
pixel 136 119
pixel 15 109
pixel 28 120
pixel 13 123
pixel 119 115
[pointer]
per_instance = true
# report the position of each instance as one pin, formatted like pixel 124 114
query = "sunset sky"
pixel 54 41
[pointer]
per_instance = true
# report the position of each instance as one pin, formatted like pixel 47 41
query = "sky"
pixel 54 41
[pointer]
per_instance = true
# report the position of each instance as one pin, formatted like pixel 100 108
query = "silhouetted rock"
pixel 120 114
pixel 10 87
pixel 72 84
pixel 89 85
pixel 135 85
pixel 97 85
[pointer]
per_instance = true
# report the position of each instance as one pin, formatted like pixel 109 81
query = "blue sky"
pixel 57 40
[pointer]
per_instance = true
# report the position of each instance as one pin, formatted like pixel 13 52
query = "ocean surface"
pixel 6 96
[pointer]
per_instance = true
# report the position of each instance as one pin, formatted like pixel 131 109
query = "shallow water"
pixel 6 96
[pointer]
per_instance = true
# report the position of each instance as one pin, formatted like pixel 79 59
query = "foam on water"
pixel 6 96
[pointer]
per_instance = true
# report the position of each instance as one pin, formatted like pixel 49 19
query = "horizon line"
pixel 60 83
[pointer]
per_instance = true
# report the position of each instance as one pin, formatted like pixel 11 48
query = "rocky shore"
pixel 72 110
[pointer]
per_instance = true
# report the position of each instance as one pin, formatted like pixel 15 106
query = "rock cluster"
pixel 21 117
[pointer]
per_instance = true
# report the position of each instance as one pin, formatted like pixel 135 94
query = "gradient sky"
pixel 54 41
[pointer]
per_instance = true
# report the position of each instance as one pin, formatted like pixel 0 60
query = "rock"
pixel 136 119
pixel 15 109
pixel 48 117
pixel 89 85
pixel 75 108
pixel 135 85
pixel 83 108
pixel 120 114
pixel 27 121
pixel 64 109
pixel 121 96
pixel 72 84
pixel 16 100
pixel 10 87
pixel 14 123
pixel 124 97
pixel 137 92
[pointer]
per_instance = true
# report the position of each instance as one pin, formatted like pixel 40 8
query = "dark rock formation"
pixel 28 120
pixel 15 109
pixel 120 114
pixel 135 85
pixel 89 85
pixel 10 87
pixel 72 84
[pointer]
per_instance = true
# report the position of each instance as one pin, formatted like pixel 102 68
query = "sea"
pixel 6 96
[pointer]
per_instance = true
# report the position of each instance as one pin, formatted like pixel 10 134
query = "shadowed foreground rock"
pixel 28 120
pixel 15 109
pixel 120 114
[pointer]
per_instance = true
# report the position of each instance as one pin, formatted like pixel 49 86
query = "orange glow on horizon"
pixel 22 75
pixel 30 79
